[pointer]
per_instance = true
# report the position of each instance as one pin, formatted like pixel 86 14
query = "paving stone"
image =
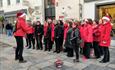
pixel 113 62
pixel 68 64
pixel 95 67
pixel 111 66
pixel 52 67
pixel 44 64
pixel 2 59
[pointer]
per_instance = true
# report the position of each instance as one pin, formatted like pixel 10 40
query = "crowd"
pixel 69 36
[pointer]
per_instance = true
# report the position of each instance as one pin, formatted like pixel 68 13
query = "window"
pixel 17 1
pixel 8 1
pixel 1 4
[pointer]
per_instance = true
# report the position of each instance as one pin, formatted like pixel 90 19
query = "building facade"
pixel 96 9
pixel 69 9
pixel 34 9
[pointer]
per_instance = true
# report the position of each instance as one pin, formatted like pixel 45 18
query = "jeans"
pixel 9 32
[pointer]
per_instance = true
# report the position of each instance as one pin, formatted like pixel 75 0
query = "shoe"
pixel 58 52
pixel 54 51
pixel 69 55
pixel 45 50
pixel 16 59
pixel 103 61
pixel 28 47
pixel 23 61
pixel 33 47
pixel 75 60
pixel 98 57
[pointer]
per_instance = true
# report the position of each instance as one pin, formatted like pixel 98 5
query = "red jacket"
pixel 31 30
pixel 21 27
pixel 66 27
pixel 45 28
pixel 96 33
pixel 88 33
pixel 81 29
pixel 52 33
pixel 105 37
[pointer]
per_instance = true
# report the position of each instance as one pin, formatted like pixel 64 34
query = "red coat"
pixel 31 30
pixel 52 31
pixel 81 30
pixel 45 28
pixel 66 27
pixel 22 27
pixel 96 33
pixel 105 38
pixel 88 33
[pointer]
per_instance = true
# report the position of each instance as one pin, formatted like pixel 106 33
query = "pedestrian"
pixel 68 44
pixel 100 28
pixel 39 35
pixel 96 35
pixel 50 34
pixel 66 27
pixel 75 40
pixel 106 39
pixel 59 36
pixel 30 35
pixel 45 36
pixel 9 29
pixel 21 29
pixel 88 38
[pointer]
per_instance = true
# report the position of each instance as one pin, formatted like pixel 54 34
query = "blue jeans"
pixel 9 32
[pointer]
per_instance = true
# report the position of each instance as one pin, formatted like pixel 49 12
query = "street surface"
pixel 40 60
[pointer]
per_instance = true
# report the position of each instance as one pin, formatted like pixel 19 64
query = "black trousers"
pixel 45 44
pixel 101 50
pixel 76 49
pixel 106 57
pixel 86 49
pixel 70 52
pixel 59 43
pixel 96 49
pixel 31 40
pixel 19 48
pixel 27 41
pixel 49 44
pixel 39 42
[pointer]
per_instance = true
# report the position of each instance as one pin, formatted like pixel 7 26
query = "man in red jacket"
pixel 105 39
pixel 21 28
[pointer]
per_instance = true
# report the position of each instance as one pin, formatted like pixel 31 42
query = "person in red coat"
pixel 96 35
pixel 50 34
pixel 45 36
pixel 66 27
pixel 100 28
pixel 88 38
pixel 21 29
pixel 30 35
pixel 105 39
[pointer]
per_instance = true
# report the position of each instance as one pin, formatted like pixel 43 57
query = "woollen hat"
pixel 20 14
pixel 106 18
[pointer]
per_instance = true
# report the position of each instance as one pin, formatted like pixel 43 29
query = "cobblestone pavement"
pixel 40 60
